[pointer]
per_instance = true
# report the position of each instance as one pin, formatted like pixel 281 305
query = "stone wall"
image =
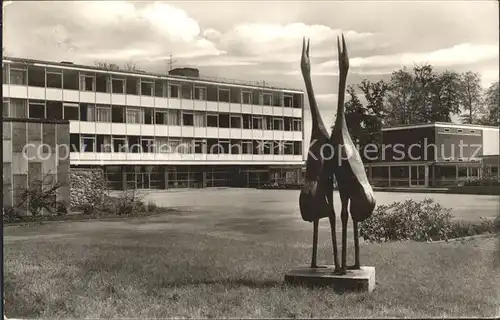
pixel 34 150
pixel 88 186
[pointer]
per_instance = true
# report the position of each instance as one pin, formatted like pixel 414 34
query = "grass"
pixel 229 261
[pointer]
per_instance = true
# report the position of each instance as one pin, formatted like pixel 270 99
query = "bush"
pixel 484 181
pixel 11 214
pixel 408 220
pixel 42 194
pixel 460 230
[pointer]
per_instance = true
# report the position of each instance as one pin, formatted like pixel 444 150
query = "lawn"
pixel 220 260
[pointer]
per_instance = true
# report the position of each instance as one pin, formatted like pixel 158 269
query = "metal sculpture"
pixel 316 197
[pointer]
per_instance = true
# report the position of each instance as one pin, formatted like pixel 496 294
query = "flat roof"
pixel 201 79
pixel 438 124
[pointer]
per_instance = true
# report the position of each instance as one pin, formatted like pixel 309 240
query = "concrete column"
pixel 426 180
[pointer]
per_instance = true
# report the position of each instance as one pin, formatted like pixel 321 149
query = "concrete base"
pixel 362 280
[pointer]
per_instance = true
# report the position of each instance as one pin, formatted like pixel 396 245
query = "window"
pixel 5 108
pixel 297 100
pixel 187 118
pixel 174 117
pixel 213 146
pixel 174 89
pixel 161 145
pixel 297 148
pixel 148 144
pixel 459 130
pixel 161 117
pixel 288 123
pixel 173 145
pixel 132 84
pixel 117 114
pixel 236 121
pixel 278 123
pixel 87 81
pixel 36 76
pixel 87 112
pixel 54 110
pixel 70 80
pixel 223 120
pixel 446 129
pixel 119 144
pixel 212 93
pixel 148 115
pixel 472 131
pixel 117 85
pixel 288 101
pixel 246 97
pixel 256 97
pixel 247 121
pixel 54 78
pixel 200 119
pixel 235 147
pixel 277 96
pixel 257 122
pixel 268 122
pixel 297 125
pixel 276 147
pixel 133 115
pixel 18 74
pixel 71 111
pixel 88 143
pixel 134 144
pixel 288 147
pixel 235 95
pixel 199 93
pixel 146 87
pixel 101 82
pixel 103 144
pixel 18 108
pixel 186 146
pixel 247 147
pixel 268 147
pixel 223 95
pixel 74 142
pixel 267 99
pixel 187 90
pixel 200 146
pixel 159 88
pixel 103 113
pixel 257 147
pixel 36 110
pixel 212 120
pixel 224 147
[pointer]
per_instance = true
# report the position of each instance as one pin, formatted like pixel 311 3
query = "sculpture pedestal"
pixel 362 280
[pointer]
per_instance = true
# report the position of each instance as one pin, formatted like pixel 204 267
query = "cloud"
pixel 461 54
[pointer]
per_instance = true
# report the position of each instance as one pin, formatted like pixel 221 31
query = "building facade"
pixel 34 167
pixel 163 131
pixel 434 155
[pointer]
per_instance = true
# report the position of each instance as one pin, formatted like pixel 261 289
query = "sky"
pixel 261 40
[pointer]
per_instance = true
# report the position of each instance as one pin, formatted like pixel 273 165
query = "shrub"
pixel 41 194
pixel 11 214
pixel 409 220
pixel 484 181
pixel 151 207
pixel 460 229
pixel 127 202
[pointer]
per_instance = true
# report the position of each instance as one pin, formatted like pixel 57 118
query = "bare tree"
pixel 107 66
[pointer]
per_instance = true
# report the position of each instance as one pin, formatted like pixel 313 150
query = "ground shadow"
pixel 256 284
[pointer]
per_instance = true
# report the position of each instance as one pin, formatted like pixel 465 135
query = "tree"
pixel 492 106
pixel 130 66
pixel 375 112
pixel 398 98
pixel 354 114
pixel 107 66
pixel 445 96
pixel 471 97
pixel 421 97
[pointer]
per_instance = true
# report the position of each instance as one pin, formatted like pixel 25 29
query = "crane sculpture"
pixel 334 156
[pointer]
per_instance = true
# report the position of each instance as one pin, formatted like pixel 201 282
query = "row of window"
pixel 149 144
pixel 20 74
pixel 58 110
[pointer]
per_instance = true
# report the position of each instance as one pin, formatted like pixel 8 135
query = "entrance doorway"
pixel 418 175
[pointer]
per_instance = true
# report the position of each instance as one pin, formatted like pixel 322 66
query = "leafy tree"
pixel 445 96
pixel 354 114
pixel 492 105
pixel 399 95
pixel 375 112
pixel 471 97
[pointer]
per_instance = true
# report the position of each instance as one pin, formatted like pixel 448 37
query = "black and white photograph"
pixel 250 159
